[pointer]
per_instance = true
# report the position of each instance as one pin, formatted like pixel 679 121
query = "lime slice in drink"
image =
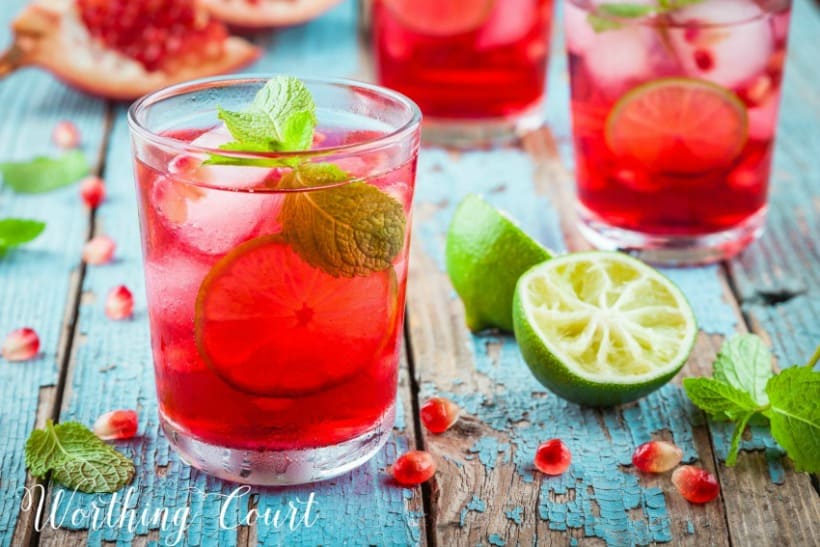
pixel 269 324
pixel 486 253
pixel 441 17
pixel 601 328
pixel 678 125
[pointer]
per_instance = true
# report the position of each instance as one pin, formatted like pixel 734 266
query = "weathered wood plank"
pixel 112 368
pixel 38 284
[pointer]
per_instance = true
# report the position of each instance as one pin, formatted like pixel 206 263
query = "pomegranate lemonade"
pixel 276 283
pixel 674 117
pixel 464 60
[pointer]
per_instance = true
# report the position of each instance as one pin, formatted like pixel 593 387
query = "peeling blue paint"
pixel 515 514
pixel 497 540
pixel 489 449
pixel 476 504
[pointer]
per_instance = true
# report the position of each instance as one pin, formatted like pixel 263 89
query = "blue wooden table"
pixel 485 492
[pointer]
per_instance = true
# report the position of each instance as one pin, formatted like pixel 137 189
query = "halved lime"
pixel 486 254
pixel 678 125
pixel 601 328
pixel 441 17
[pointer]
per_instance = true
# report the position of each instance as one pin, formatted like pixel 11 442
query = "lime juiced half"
pixel 601 328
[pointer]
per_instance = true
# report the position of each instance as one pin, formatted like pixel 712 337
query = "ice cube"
pixel 173 281
pixel 578 32
pixel 214 221
pixel 728 55
pixel 763 118
pixel 617 58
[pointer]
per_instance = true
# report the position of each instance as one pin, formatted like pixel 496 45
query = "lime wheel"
pixel 679 125
pixel 270 324
pixel 441 18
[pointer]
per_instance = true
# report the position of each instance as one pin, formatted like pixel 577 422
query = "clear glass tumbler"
pixel 674 118
pixel 477 68
pixel 276 293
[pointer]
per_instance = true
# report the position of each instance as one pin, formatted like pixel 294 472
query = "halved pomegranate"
pixel 267 13
pixel 122 49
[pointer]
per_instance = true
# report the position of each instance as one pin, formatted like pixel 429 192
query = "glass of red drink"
pixel 477 68
pixel 275 286
pixel 674 118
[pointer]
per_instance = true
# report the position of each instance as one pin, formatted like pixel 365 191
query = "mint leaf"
pixel 599 23
pixel 16 231
pixel 44 174
pixel 626 10
pixel 734 448
pixel 716 398
pixel 77 458
pixel 795 415
pixel 347 230
pixel 745 362
pixel 281 118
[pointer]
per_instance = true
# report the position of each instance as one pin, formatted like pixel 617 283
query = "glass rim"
pixel 653 18
pixel 142 104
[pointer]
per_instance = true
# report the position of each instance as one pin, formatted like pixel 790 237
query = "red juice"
pixel 466 59
pixel 254 347
pixel 674 115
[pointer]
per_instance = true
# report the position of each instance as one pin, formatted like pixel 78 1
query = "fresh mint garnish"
pixel 44 174
pixel 16 231
pixel 77 458
pixel 608 16
pixel 745 388
pixel 281 118
pixel 348 230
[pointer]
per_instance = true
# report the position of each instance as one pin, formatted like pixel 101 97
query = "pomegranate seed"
pixel 92 190
pixel 704 59
pixel 656 457
pixel 120 303
pixel 98 250
pixel 439 414
pixel 20 345
pixel 553 457
pixel 413 468
pixel 116 424
pixel 183 164
pixel 695 484
pixel 66 135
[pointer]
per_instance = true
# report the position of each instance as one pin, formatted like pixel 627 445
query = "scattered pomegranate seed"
pixel 656 457
pixel 695 484
pixel 116 424
pixel 439 414
pixel 21 345
pixel 413 468
pixel 120 303
pixel 704 59
pixel 66 135
pixel 92 190
pixel 553 457
pixel 98 250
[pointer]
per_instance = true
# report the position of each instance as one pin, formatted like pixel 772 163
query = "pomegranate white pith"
pixel 52 35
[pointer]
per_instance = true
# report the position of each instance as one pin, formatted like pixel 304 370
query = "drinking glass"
pixel 477 68
pixel 674 118
pixel 276 286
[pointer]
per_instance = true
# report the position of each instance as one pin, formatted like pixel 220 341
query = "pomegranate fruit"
pixel 439 414
pixel 122 49
pixel 266 13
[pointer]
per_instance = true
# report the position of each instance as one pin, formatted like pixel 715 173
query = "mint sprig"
pixel 347 229
pixel 43 174
pixel 281 118
pixel 744 388
pixel 607 16
pixel 77 458
pixel 16 231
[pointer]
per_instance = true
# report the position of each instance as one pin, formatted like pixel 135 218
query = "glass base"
pixel 281 467
pixel 461 133
pixel 671 250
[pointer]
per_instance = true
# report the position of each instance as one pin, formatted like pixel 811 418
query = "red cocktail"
pixel 674 114
pixel 479 62
pixel 276 281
